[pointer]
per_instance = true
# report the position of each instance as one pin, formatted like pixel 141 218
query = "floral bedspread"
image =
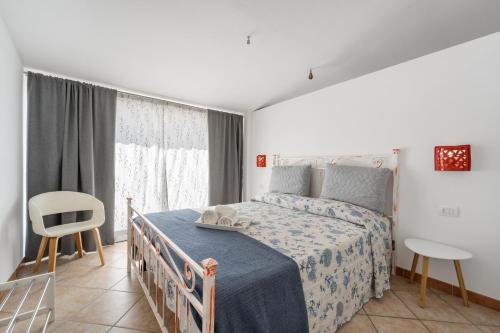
pixel 343 251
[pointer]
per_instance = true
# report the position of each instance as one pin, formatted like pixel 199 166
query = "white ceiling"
pixel 195 50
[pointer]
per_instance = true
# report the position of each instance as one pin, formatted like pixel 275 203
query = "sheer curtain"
pixel 161 156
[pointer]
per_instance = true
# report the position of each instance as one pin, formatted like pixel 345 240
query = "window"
pixel 161 156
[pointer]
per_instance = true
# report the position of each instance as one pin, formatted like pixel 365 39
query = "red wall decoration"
pixel 261 161
pixel 452 158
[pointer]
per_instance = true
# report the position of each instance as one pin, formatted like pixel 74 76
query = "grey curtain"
pixel 225 154
pixel 71 143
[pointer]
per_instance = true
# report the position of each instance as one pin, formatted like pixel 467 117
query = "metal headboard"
pixel 318 163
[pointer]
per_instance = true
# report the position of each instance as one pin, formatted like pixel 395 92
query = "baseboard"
pixel 453 290
pixel 14 275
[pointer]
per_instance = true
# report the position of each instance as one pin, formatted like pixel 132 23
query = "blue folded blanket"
pixel 258 289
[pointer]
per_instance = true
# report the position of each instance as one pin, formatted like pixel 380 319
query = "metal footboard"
pixel 149 253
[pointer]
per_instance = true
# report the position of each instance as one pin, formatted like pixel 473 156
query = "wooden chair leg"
pixel 41 252
pixel 78 241
pixel 423 282
pixel 414 267
pixel 98 245
pixel 460 277
pixel 52 254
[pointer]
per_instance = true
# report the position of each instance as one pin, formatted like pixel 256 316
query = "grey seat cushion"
pixel 361 186
pixel 291 179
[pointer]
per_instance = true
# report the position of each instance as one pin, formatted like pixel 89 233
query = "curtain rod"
pixel 127 91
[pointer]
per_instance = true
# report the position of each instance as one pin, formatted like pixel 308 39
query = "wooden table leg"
pixel 460 277
pixel 414 267
pixel 423 282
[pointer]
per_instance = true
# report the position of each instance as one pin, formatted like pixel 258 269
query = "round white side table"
pixel 429 249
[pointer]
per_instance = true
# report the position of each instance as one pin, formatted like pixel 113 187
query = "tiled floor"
pixel 398 312
pixel 91 298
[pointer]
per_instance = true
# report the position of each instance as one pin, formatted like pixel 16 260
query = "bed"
pixel 304 264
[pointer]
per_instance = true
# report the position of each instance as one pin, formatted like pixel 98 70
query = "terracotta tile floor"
pixel 91 298
pixel 398 312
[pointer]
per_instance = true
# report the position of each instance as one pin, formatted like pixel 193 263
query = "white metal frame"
pixel 147 248
pixel 390 161
pixel 48 292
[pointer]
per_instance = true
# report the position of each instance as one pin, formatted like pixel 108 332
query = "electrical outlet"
pixel 449 211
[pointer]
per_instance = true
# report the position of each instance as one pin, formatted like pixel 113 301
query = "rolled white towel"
pixel 225 221
pixel 222 210
pixel 209 217
pixel 242 221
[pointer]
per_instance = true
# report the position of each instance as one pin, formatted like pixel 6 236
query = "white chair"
pixel 64 202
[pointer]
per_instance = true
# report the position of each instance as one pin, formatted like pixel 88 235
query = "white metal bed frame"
pixel 144 246
pixel 9 287
pixel 147 246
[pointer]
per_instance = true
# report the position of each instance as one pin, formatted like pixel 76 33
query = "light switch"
pixel 449 211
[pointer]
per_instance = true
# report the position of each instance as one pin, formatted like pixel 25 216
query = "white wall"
pixel 449 97
pixel 11 78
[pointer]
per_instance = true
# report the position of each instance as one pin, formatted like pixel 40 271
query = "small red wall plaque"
pixel 452 158
pixel 261 161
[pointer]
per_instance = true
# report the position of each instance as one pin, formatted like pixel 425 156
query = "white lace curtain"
pixel 161 156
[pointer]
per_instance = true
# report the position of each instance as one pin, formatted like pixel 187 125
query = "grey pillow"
pixel 361 186
pixel 292 179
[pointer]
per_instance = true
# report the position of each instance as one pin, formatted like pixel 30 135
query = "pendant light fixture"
pixel 311 76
